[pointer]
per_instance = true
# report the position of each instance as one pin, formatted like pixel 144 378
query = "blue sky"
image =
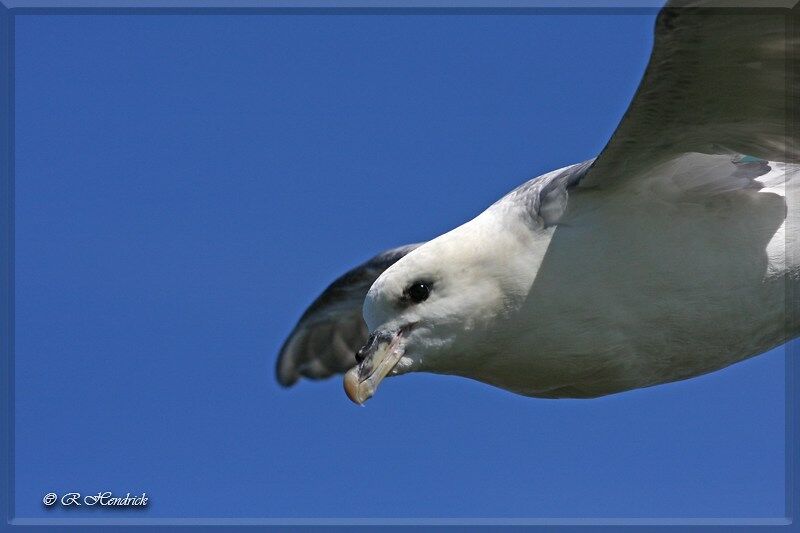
pixel 186 185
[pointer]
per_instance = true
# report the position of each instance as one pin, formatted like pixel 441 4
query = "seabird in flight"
pixel 671 254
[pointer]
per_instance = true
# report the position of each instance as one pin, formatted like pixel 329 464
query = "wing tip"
pixel 284 380
pixel 285 373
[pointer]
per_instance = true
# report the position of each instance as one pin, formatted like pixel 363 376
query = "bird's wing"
pixel 326 337
pixel 719 81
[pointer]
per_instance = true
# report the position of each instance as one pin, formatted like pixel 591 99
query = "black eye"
pixel 418 292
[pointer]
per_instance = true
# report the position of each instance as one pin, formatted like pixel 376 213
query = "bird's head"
pixel 437 308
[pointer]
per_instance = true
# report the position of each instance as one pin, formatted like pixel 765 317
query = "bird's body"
pixel 593 321
pixel 672 254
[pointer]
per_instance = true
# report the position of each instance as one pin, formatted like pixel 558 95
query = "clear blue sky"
pixel 186 185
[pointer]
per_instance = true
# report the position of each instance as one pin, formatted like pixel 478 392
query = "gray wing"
pixel 719 81
pixel 331 330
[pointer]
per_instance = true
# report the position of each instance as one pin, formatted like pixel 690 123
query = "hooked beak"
pixel 376 359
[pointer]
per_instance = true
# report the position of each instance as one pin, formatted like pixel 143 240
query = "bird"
pixel 672 254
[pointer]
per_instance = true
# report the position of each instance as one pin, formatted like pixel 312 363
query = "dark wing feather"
pixel 326 337
pixel 719 81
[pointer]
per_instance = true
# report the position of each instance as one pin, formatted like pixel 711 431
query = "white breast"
pixel 651 283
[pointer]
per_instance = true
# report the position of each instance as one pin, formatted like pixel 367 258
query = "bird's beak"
pixel 376 359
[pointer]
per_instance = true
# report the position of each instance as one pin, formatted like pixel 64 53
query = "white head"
pixel 437 309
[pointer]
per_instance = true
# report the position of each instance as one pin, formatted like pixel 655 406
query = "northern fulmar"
pixel 671 254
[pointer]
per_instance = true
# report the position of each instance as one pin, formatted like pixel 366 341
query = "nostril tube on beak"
pixel 375 361
pixel 361 354
pixel 372 344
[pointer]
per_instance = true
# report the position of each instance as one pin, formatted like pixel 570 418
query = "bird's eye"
pixel 418 291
